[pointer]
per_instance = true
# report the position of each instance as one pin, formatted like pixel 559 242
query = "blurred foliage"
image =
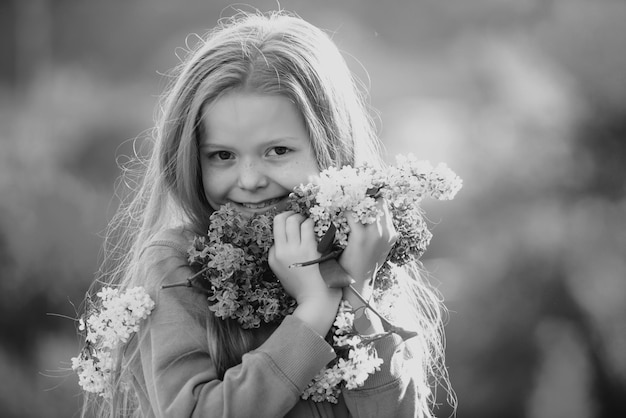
pixel 526 100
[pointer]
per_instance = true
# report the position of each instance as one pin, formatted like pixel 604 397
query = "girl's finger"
pixel 307 234
pixel 387 219
pixel 280 234
pixel 351 219
pixel 292 228
pixel 357 229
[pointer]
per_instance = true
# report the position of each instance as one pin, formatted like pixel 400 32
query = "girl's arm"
pixel 392 391
pixel 177 374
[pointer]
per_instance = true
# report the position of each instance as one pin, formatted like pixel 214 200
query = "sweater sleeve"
pixel 181 379
pixel 392 391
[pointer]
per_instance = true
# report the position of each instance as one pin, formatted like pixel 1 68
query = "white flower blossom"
pixel 345 318
pixel 116 320
pixel 338 191
pixel 444 182
pixel 346 340
pixel 349 371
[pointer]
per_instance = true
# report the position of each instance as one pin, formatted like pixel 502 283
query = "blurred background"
pixel 524 99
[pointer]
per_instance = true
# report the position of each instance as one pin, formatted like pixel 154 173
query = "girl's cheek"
pixel 300 172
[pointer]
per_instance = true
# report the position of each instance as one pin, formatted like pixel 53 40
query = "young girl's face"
pixel 255 150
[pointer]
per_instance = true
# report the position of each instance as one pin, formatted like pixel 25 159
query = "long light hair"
pixel 276 54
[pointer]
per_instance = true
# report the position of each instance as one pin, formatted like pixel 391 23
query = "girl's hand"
pixel 294 241
pixel 367 250
pixel 368 247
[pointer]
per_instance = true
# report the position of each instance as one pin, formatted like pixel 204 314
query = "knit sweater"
pixel 174 375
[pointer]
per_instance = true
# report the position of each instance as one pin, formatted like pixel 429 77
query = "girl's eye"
pixel 279 150
pixel 221 155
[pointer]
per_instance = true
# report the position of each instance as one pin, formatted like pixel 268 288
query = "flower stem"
pixel 331 255
pixel 190 282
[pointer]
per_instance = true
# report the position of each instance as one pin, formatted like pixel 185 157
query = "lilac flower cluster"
pixel 233 260
pixel 355 360
pixel 349 191
pixel 113 323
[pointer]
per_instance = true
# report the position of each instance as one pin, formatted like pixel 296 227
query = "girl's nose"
pixel 251 177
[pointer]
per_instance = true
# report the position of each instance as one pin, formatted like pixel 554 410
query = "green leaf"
pixel 326 243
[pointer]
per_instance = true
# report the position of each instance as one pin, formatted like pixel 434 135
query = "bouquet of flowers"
pixel 232 268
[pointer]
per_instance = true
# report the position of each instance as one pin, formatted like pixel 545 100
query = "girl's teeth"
pixel 260 205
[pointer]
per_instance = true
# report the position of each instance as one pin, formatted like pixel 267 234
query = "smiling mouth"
pixel 266 204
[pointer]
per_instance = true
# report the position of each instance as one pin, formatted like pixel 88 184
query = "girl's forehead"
pixel 238 102
pixel 238 115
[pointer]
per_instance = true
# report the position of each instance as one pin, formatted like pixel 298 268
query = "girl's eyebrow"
pixel 271 142
pixel 209 145
pixel 281 140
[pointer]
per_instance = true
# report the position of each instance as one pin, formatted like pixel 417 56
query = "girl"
pixel 261 106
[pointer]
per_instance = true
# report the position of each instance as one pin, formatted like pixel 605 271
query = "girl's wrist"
pixel 364 286
pixel 319 313
pixel 362 278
